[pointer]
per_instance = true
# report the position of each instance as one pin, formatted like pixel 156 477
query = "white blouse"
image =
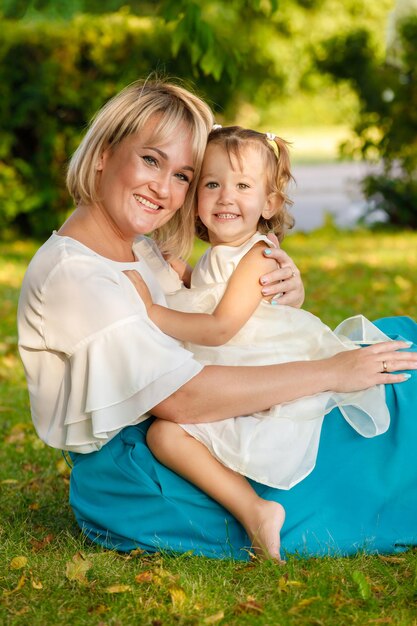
pixel 94 361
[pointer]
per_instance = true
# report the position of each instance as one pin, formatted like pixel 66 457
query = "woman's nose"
pixel 160 184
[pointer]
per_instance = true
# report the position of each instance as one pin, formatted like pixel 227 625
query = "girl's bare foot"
pixel 264 529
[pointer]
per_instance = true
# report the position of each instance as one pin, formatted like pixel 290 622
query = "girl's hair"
pixel 170 105
pixel 274 151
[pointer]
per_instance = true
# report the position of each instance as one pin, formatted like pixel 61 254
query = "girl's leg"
pixel 262 519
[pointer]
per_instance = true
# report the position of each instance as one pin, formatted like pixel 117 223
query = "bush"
pixel 386 131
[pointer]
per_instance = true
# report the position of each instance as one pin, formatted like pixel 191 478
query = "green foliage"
pixel 386 130
pixel 56 73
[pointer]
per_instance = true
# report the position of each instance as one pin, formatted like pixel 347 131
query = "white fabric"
pixel 94 361
pixel 276 447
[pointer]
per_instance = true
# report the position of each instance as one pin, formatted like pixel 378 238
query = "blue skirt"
pixel 361 496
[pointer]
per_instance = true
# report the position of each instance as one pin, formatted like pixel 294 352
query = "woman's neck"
pixel 88 226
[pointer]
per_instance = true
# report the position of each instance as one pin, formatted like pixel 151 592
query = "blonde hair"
pixel 276 155
pixel 126 114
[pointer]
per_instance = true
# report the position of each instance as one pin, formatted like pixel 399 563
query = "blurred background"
pixel 335 78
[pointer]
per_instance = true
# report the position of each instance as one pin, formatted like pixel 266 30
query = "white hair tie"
pixel 270 137
pixel 216 126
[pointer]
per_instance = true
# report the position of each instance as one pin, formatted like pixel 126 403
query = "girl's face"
pixel 143 183
pixel 232 196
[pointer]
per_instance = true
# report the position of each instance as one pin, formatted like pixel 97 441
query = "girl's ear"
pixel 272 206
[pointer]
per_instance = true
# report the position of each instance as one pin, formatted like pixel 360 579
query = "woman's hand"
pixel 141 287
pixel 359 369
pixel 284 283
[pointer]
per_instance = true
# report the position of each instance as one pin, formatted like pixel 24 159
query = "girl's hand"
pixel 284 283
pixel 359 369
pixel 140 286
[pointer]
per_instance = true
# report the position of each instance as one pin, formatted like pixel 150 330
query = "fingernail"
pixel 407 376
pixel 263 281
pixel 274 302
pixel 265 292
pixel 267 251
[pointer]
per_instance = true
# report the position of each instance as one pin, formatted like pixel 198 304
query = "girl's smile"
pixel 232 194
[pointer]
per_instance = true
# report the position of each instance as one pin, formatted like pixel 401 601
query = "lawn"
pixel 51 575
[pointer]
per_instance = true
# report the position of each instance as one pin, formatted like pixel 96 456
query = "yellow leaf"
pixel 18 562
pixel 178 597
pixel 144 577
pixel 19 586
pixel 212 619
pixel 118 588
pixel 302 604
pixel 9 481
pixel 77 568
pixel 36 584
pixel 391 559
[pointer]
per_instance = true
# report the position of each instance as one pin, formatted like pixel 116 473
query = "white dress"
pixel 94 361
pixel 277 447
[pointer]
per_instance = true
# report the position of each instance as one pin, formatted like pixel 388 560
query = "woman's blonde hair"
pixel 126 114
pixel 275 153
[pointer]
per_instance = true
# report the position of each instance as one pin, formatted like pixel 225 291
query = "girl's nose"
pixel 225 196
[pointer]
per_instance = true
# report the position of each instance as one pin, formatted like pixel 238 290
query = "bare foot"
pixel 264 529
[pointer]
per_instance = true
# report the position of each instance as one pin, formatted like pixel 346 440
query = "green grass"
pixel 63 579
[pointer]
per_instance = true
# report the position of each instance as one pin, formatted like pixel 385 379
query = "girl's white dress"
pixel 277 447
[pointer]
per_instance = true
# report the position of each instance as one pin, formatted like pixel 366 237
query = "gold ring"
pixel 384 366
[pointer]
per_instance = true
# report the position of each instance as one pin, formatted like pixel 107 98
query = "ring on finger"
pixel 384 366
pixel 293 273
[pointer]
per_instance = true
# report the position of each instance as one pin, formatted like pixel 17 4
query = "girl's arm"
pixel 241 298
pixel 183 270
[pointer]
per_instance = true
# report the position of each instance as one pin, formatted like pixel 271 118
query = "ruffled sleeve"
pixel 94 361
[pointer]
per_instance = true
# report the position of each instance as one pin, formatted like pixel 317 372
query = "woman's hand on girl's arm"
pixel 284 282
pixel 183 270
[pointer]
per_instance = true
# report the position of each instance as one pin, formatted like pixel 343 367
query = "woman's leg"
pixel 185 455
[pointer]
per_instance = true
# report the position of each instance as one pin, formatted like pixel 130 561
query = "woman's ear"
pixel 272 206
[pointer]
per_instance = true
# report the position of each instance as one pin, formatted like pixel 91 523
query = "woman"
pixel 97 367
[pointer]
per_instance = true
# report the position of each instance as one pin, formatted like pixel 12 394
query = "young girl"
pixel 241 197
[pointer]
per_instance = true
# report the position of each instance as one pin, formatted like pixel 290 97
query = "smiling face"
pixel 232 194
pixel 143 182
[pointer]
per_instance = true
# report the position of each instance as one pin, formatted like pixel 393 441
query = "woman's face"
pixel 143 183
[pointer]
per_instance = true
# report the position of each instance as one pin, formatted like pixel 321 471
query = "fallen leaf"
pixel 77 568
pixel 42 543
pixel 99 609
pixel 144 577
pixel 19 586
pixel 250 606
pixel 178 597
pixel 302 604
pixel 18 562
pixel 118 588
pixel 9 481
pixel 212 619
pixel 391 559
pixel 363 585
pixel 35 506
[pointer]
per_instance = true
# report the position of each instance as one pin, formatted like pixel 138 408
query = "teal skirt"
pixel 361 496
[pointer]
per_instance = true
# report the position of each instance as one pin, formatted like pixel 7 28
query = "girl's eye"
pixel 150 160
pixel 183 177
pixel 212 185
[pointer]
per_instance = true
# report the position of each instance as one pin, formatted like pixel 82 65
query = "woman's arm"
pixel 241 298
pixel 219 392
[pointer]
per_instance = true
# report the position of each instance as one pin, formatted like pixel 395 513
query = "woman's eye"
pixel 243 186
pixel 150 160
pixel 183 177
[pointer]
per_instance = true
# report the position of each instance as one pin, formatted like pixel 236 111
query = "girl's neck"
pixel 88 226
pixel 234 243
